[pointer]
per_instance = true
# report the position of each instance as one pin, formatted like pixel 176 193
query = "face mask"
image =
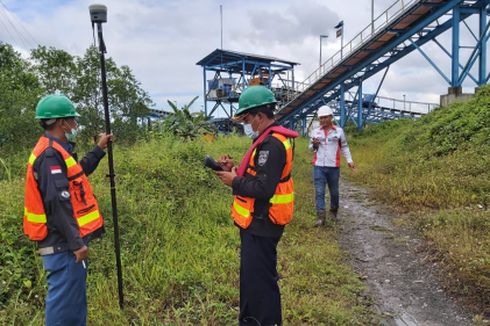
pixel 248 130
pixel 71 135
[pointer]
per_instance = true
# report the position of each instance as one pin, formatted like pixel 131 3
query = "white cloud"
pixel 162 40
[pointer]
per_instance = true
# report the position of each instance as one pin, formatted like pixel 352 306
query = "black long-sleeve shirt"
pixel 269 161
pixel 63 231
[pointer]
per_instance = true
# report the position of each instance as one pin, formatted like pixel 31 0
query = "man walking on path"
pixel 327 142
pixel 263 204
pixel 60 210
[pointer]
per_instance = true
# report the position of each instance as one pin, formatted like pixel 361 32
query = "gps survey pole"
pixel 98 15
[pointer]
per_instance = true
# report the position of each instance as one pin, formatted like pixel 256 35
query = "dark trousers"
pixel 66 302
pixel 323 176
pixel 260 300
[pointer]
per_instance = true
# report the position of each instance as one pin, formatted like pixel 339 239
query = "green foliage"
pixel 184 124
pixel 6 170
pixel 24 81
pixel 449 129
pixel 437 167
pixel 18 276
pixel 128 102
pixel 19 91
pixel 56 70
pixel 180 248
pixel 418 162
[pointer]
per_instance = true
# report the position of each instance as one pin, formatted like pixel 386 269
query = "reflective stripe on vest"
pixel 282 202
pixel 87 218
pixel 34 218
pixel 282 199
pixel 70 161
pixel 85 208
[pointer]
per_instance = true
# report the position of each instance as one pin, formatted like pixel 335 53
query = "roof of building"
pixel 232 60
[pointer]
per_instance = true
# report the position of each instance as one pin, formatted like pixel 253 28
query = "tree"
pixel 23 82
pixel 19 91
pixel 56 70
pixel 127 100
pixel 87 94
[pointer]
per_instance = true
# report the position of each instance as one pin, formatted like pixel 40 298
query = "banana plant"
pixel 186 125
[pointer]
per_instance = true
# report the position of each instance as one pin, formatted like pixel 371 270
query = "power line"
pixel 24 35
pixel 7 29
pixel 12 30
pixel 22 25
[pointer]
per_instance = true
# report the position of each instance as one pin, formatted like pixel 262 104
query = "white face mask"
pixel 248 130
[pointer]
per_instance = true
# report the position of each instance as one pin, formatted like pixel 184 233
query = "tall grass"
pixel 180 250
pixel 437 169
pixel 5 169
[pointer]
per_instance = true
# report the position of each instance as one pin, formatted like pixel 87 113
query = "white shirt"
pixel 332 142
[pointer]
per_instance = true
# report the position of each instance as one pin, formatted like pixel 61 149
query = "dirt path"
pixel 399 278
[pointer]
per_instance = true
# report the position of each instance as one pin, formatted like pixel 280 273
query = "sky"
pixel 161 40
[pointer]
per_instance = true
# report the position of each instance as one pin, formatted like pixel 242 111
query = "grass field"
pixel 180 250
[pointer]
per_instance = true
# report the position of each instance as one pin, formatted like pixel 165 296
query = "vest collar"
pixel 66 145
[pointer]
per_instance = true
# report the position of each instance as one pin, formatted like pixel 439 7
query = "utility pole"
pixel 321 37
pixel 372 16
pixel 221 19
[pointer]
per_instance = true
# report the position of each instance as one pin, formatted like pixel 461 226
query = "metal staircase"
pixel 404 27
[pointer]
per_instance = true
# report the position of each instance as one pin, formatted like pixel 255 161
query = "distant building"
pixel 234 71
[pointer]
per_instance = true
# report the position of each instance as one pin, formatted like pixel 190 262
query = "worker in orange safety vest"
pixel 263 204
pixel 61 212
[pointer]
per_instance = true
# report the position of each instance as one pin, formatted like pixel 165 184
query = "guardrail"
pixel 407 106
pixel 355 43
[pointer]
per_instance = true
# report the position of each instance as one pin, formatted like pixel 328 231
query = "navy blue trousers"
pixel 66 302
pixel 260 300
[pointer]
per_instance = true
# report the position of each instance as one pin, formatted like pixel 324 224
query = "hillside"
pixel 436 170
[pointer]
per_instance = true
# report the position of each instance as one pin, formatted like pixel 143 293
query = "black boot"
pixel 333 215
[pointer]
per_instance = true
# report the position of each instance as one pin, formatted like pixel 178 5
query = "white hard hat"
pixel 324 110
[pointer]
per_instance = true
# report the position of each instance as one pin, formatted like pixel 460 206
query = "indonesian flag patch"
pixel 55 169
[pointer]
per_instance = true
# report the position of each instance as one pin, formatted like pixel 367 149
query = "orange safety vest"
pixel 85 208
pixel 282 202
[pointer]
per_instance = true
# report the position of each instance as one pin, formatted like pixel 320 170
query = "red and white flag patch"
pixel 55 169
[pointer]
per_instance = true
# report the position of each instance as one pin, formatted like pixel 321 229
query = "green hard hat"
pixel 55 106
pixel 254 96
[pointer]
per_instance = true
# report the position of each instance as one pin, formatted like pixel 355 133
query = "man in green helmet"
pixel 263 204
pixel 60 211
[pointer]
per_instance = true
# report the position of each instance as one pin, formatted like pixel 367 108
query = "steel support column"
pixel 342 106
pixel 455 48
pixel 359 106
pixel 303 126
pixel 204 92
pixel 245 81
pixel 482 71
